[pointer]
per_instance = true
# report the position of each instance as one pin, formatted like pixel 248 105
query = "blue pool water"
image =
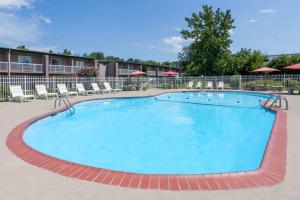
pixel 175 133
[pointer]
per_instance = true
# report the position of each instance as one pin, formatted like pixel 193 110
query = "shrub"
pixel 4 92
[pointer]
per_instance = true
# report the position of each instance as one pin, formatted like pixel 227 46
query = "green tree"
pixel 130 60
pixel 151 62
pixel 184 60
pixel 67 52
pixel 242 62
pixel 209 32
pixel 167 64
pixel 113 58
pixel 284 61
pixel 22 47
pixel 97 55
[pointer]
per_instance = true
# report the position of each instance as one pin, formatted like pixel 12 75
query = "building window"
pixel 79 63
pixel 24 59
pixel 55 62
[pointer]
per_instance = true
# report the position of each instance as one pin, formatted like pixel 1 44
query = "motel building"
pixel 34 63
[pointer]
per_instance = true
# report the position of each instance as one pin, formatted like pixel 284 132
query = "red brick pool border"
pixel 271 171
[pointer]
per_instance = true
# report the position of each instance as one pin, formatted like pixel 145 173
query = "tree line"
pixel 98 55
pixel 209 52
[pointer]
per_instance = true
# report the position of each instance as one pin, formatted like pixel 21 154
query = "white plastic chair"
pixel 17 93
pixel 96 88
pixel 108 88
pixel 220 85
pixel 81 90
pixel 190 85
pixel 199 85
pixel 209 85
pixel 42 92
pixel 64 91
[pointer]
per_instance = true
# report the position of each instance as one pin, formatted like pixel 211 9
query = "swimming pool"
pixel 174 133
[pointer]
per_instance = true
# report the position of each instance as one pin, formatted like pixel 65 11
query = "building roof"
pixel 44 53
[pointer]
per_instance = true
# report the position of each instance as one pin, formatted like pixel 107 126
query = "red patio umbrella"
pixel 170 73
pixel 294 67
pixel 137 73
pixel 266 70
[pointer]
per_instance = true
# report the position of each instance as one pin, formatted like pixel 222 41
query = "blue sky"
pixel 142 29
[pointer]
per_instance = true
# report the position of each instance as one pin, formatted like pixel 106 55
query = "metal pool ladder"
pixel 66 103
pixel 278 100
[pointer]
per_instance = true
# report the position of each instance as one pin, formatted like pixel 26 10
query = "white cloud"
pixel 268 11
pixel 174 44
pixel 15 3
pixel 27 30
pixel 231 31
pixel 252 21
pixel 170 45
pixel 44 19
pixel 15 30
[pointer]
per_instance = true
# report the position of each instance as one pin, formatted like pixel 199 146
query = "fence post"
pixel 25 85
pixel 240 84
pixel 284 86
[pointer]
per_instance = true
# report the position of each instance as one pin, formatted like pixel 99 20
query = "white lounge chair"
pixel 64 91
pixel 17 93
pixel 190 85
pixel 199 85
pixel 43 93
pixel 108 88
pixel 220 85
pixel 81 90
pixel 96 88
pixel 209 85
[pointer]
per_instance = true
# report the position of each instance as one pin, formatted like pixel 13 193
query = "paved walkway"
pixel 19 180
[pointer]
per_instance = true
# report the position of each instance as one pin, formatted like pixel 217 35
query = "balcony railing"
pixel 160 73
pixel 26 67
pixel 63 69
pixel 3 67
pixel 151 73
pixel 125 72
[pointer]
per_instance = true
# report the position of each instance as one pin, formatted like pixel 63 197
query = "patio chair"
pixel 220 85
pixel 64 91
pixel 190 85
pixel 96 88
pixel 199 85
pixel 17 93
pixel 43 93
pixel 209 85
pixel 81 90
pixel 108 88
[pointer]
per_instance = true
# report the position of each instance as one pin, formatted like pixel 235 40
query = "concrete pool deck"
pixel 19 180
